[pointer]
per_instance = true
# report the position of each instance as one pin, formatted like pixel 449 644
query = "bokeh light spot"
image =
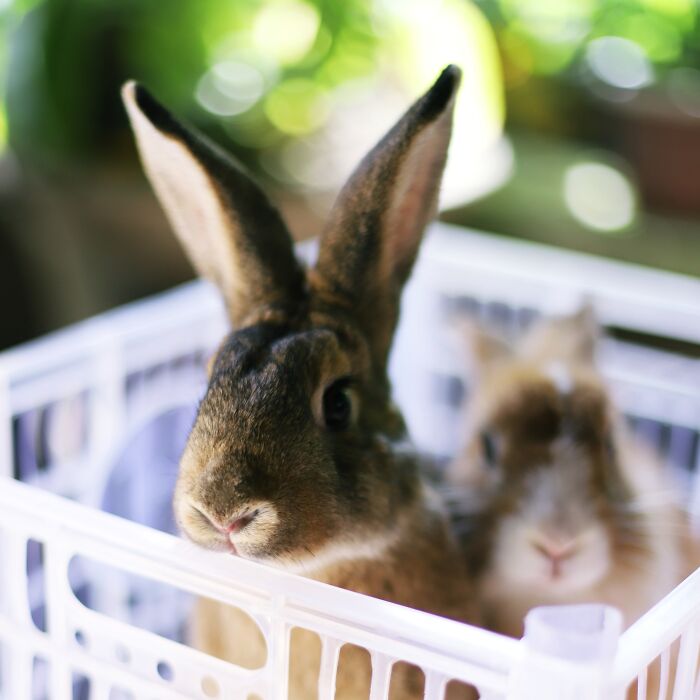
pixel 599 196
pixel 619 62
pixel 285 29
pixel 229 88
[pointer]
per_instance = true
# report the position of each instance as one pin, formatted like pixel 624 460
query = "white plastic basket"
pixel 94 606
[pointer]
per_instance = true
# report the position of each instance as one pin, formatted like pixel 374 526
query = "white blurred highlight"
pixel 599 196
pixel 620 63
pixel 285 30
pixel 230 87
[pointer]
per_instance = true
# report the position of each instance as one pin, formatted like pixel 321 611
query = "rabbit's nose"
pixel 237 524
pixel 230 526
pixel 556 550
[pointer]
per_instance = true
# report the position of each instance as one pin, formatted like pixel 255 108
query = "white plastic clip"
pixel 568 652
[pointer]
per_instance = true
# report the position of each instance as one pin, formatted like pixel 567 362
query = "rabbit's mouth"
pixel 198 528
pixel 550 561
pixel 245 533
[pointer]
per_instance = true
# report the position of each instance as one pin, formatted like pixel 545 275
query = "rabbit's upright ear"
pixel 572 339
pixel 370 244
pixel 229 229
pixel 485 348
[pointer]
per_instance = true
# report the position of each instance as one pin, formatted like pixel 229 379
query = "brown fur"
pixel 338 504
pixel 558 464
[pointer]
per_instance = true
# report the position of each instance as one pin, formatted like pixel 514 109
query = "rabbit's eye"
pixel 337 406
pixel 488 448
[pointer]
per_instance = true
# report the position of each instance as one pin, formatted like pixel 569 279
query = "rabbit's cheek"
pixel 593 561
pixel 513 561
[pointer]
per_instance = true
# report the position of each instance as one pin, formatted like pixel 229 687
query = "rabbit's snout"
pixel 237 524
pixel 233 525
pixel 539 556
pixel 555 550
pixel 241 532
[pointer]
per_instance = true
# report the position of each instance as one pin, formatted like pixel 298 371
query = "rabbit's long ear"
pixel 371 242
pixel 485 348
pixel 572 339
pixel 229 229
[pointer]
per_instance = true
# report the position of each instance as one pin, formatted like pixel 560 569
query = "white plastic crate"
pixel 94 606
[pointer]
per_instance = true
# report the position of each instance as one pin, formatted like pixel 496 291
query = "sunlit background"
pixel 578 125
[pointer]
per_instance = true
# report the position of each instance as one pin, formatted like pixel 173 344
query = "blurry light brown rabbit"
pixel 565 505
pixel 291 460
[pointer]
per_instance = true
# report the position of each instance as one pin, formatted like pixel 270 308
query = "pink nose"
pixel 239 523
pixel 554 550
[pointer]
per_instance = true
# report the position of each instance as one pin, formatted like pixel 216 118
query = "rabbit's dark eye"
pixel 488 448
pixel 337 406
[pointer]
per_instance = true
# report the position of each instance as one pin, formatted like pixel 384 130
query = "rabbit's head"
pixel 555 507
pixel 290 459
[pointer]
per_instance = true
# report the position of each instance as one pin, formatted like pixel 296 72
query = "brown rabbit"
pixel 565 505
pixel 292 457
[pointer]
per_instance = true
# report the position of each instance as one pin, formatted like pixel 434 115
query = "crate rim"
pixel 582 274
